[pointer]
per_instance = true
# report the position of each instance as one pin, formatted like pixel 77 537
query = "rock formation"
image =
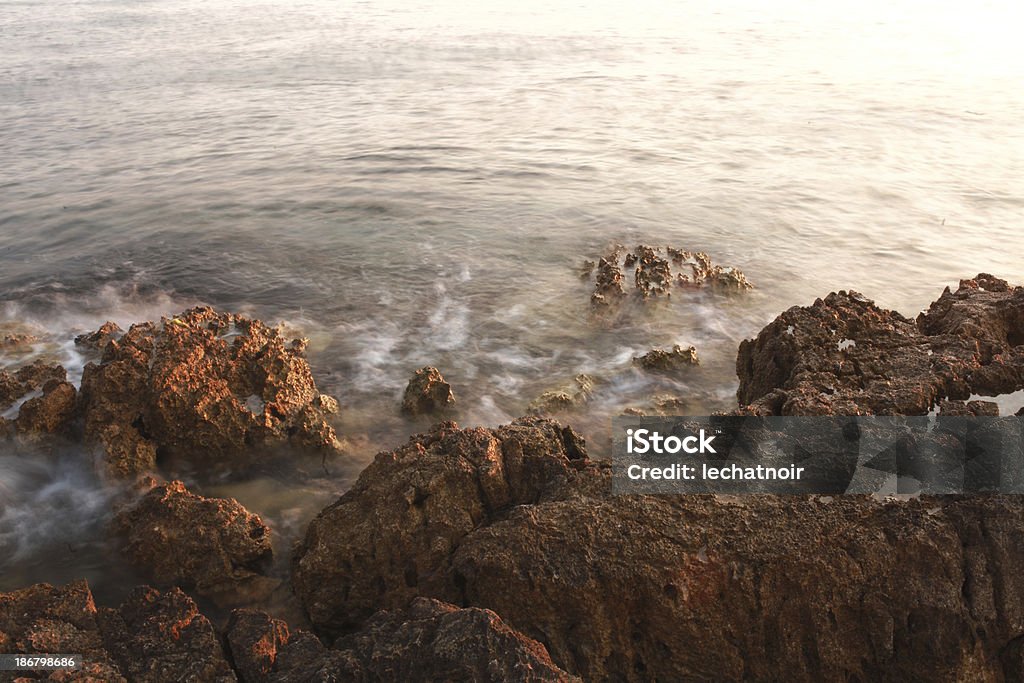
pixel 152 637
pixel 517 520
pixel 428 641
pixel 572 395
pixel 213 545
pixel 653 274
pixel 201 385
pixel 845 356
pixel 427 393
pixel 660 360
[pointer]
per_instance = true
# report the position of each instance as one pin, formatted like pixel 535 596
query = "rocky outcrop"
pixel 671 588
pixel 427 393
pixel 50 413
pixel 572 395
pixel 203 384
pixel 99 339
pixel 656 271
pixel 845 356
pixel 27 379
pixel 428 641
pixel 152 637
pixel 213 545
pixel 660 360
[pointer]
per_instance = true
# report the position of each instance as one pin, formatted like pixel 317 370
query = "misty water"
pixel 417 183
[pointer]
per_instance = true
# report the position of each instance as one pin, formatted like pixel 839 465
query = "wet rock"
pixel 657 270
pixel 640 588
pixel 51 413
pixel 17 343
pixel 440 486
pixel 428 641
pixel 587 269
pixel 150 638
pixel 98 340
pixel 427 393
pixel 659 360
pixel 844 355
pixel 571 396
pixel 156 637
pixel 213 545
pixel 220 387
pixel 27 379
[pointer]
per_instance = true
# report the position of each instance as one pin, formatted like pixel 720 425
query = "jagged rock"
pixel 99 339
pixel 427 393
pixel 150 638
pixel 202 384
pixel 50 413
pixel 640 588
pixel 26 379
pixel 843 355
pixel 441 485
pixel 573 395
pixel 659 360
pixel 428 641
pixel 213 545
pixel 653 274
pixel 125 452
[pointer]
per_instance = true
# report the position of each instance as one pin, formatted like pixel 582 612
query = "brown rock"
pixel 212 544
pixel 565 398
pixel 427 393
pixel 99 339
pixel 203 384
pixel 439 487
pixel 26 379
pixel 670 588
pixel 659 360
pixel 428 641
pixel 51 413
pixel 843 355
pixel 156 637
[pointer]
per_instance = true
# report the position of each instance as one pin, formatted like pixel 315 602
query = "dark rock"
pixel 151 638
pixel 968 409
pixel 427 393
pixel 440 486
pixel 670 588
pixel 202 384
pixel 156 637
pixel 843 355
pixel 99 339
pixel 653 274
pixel 659 360
pixel 27 379
pixel 211 544
pixel 51 413
pixel 428 641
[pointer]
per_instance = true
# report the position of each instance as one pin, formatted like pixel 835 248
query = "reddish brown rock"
pixel 428 641
pixel 98 340
pixel 843 355
pixel 203 385
pixel 51 413
pixel 660 360
pixel 427 393
pixel 150 638
pixel 27 379
pixel 644 588
pixel 213 545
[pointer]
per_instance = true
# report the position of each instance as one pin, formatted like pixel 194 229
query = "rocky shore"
pixel 501 554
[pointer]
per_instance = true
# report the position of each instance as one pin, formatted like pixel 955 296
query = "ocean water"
pixel 412 183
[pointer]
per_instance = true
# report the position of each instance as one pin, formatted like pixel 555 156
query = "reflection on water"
pixel 417 183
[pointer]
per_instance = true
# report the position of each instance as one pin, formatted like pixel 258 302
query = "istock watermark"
pixel 825 455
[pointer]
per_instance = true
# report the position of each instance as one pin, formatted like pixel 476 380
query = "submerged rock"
pixel 568 397
pixel 152 637
pixel 843 355
pixel 643 588
pixel 428 641
pixel 659 360
pixel 427 393
pixel 201 385
pixel 213 545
